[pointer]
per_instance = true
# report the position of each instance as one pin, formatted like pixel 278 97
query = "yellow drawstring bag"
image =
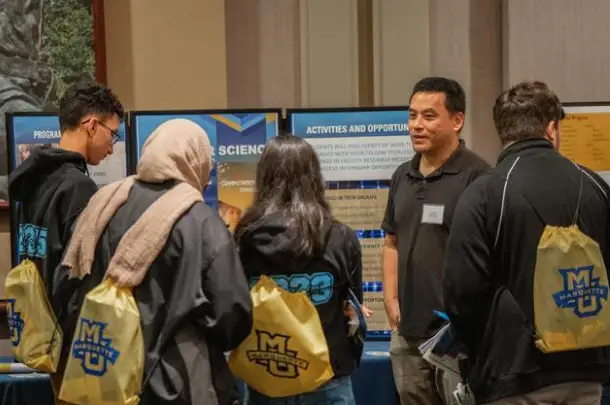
pixel 286 352
pixel 35 333
pixel 570 285
pixel 106 361
pixel 570 292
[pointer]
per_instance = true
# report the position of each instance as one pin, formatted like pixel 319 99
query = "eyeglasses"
pixel 115 135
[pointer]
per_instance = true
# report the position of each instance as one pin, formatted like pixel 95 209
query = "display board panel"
pixel 28 131
pixel 359 150
pixel 585 136
pixel 238 138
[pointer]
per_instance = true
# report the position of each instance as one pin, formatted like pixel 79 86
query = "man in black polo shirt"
pixel 423 195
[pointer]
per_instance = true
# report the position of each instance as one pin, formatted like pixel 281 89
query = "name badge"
pixel 433 214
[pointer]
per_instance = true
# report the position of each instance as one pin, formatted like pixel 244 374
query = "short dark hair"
pixel 289 183
pixel 455 97
pixel 85 98
pixel 525 110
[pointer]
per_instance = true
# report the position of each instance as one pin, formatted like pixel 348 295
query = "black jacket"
pixel 52 189
pixel 488 292
pixel 194 302
pixel 264 249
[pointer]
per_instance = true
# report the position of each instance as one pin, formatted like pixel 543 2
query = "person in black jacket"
pixel 289 232
pixel 489 268
pixel 52 186
pixel 194 299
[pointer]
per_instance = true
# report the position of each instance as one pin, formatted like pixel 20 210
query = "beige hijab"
pixel 179 150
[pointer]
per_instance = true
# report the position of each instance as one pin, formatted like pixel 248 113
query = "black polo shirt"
pixel 419 213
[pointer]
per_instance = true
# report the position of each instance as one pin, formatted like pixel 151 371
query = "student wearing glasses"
pixel 52 186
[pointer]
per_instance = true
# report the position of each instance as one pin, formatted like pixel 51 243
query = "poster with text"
pixel 359 150
pixel 29 132
pixel 585 136
pixel 237 138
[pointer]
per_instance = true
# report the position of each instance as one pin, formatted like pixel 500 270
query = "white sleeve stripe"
pixel 504 199
pixel 594 181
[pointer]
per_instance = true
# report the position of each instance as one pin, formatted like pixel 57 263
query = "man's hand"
pixel 349 311
pixel 393 311
pixel 367 311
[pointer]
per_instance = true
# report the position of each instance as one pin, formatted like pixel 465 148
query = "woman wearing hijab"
pixel 186 276
pixel 289 234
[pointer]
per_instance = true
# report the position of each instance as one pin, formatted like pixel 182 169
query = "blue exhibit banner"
pixel 29 132
pixel 359 151
pixel 237 138
pixel 342 124
pixel 356 145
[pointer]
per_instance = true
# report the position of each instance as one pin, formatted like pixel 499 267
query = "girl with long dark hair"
pixel 289 234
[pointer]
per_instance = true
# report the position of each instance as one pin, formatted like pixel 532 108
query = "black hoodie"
pixel 51 188
pixel 265 249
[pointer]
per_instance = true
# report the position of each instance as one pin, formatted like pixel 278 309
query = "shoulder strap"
pixel 504 191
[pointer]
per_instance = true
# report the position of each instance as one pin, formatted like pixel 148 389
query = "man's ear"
pixel 552 133
pixel 458 121
pixel 92 127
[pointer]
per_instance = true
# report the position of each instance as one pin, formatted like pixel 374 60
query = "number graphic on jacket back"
pixel 32 241
pixel 318 286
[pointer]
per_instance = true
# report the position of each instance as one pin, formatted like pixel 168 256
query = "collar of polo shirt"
pixel 451 166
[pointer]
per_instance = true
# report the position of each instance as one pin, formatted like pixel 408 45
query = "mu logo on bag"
pixel 15 322
pixel 582 291
pixel 274 354
pixel 94 351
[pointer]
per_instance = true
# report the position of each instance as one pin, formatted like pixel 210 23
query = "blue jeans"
pixel 335 392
